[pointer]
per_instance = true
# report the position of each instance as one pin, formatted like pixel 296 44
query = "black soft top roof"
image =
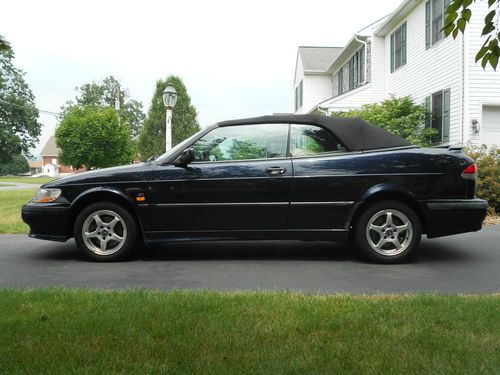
pixel 356 134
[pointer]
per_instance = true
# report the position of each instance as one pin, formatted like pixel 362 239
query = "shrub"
pixel 400 116
pixel 16 166
pixel 488 181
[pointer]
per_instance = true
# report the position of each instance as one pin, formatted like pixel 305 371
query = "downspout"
pixel 366 57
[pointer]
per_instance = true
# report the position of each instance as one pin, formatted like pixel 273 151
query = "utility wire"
pixel 40 110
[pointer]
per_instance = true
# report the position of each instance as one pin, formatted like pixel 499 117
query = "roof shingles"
pixel 318 59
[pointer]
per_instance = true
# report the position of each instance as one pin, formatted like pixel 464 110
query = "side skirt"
pixel 153 238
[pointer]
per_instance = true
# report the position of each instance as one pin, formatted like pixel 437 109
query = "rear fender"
pixel 385 191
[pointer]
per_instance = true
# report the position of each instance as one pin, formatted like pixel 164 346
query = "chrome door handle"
pixel 275 170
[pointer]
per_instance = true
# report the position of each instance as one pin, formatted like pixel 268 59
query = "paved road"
pixel 468 263
pixel 17 186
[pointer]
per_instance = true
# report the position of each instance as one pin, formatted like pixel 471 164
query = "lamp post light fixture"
pixel 169 99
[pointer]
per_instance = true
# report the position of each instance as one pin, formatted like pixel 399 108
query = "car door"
pixel 321 192
pixel 240 180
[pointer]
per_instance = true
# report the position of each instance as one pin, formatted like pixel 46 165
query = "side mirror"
pixel 186 157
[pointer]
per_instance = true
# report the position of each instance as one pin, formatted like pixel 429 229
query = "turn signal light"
pixel 140 199
pixel 470 173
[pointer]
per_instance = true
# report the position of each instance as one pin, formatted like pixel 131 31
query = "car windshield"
pixel 177 147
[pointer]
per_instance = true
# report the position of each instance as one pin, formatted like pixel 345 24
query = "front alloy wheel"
pixel 387 232
pixel 105 231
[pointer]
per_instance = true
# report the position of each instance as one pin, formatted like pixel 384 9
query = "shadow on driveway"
pixel 430 251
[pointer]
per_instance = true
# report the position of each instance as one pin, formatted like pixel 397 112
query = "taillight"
pixel 470 173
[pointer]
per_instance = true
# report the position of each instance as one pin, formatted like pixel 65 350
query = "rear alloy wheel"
pixel 105 231
pixel 388 231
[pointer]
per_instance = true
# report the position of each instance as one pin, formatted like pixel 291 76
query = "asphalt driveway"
pixel 467 263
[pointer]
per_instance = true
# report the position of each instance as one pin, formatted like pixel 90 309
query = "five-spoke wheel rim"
pixel 389 232
pixel 104 232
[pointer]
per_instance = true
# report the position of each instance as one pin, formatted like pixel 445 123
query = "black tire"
pixel 397 241
pixel 108 232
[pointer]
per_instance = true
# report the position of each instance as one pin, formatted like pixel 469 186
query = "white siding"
pixel 482 86
pixel 317 88
pixel 428 70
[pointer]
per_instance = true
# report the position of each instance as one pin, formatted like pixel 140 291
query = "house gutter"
pixel 366 56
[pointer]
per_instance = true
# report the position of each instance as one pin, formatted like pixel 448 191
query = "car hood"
pixel 132 172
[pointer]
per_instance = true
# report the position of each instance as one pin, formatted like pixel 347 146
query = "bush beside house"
pixel 488 181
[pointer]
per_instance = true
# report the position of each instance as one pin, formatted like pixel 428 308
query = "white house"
pixel 404 54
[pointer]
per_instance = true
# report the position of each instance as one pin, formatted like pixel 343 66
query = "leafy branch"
pixel 459 14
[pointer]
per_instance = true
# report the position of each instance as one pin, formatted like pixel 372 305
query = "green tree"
pixel 93 137
pixel 103 94
pixel 4 45
pixel 17 165
pixel 458 15
pixel 184 121
pixel 400 116
pixel 19 126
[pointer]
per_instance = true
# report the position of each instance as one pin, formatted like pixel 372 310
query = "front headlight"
pixel 46 195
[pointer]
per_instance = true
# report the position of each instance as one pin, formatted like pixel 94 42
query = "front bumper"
pixel 452 216
pixel 47 221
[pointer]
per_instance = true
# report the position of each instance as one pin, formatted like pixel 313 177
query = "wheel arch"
pixel 100 194
pixel 386 192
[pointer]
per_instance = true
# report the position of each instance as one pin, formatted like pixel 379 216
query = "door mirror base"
pixel 186 157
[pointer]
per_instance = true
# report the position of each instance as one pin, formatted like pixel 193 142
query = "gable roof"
pixel 50 148
pixel 318 59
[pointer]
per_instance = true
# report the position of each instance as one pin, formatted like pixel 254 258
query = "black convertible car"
pixel 299 177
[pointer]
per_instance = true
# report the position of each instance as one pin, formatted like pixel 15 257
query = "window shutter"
pixel 428 112
pixel 403 44
pixel 351 74
pixel 427 24
pixel 446 115
pixel 341 81
pixel 362 64
pixel 392 52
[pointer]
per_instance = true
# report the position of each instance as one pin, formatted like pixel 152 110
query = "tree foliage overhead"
pixel 400 116
pixel 93 137
pixel 104 94
pixel 17 165
pixel 19 126
pixel 184 121
pixel 4 45
pixel 459 14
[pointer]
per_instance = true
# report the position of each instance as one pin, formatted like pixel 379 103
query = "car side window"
pixel 242 142
pixel 309 140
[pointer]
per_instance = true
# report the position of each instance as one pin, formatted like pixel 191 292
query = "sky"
pixel 237 58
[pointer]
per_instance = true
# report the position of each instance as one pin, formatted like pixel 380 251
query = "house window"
pixel 398 47
pixel 438 108
pixel 299 91
pixel 357 69
pixel 435 11
pixel 341 81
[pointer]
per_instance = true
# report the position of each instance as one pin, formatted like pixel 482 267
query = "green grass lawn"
pixel 26 180
pixel 66 332
pixel 11 202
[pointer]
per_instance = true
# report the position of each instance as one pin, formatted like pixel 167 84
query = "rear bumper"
pixel 47 221
pixel 453 216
